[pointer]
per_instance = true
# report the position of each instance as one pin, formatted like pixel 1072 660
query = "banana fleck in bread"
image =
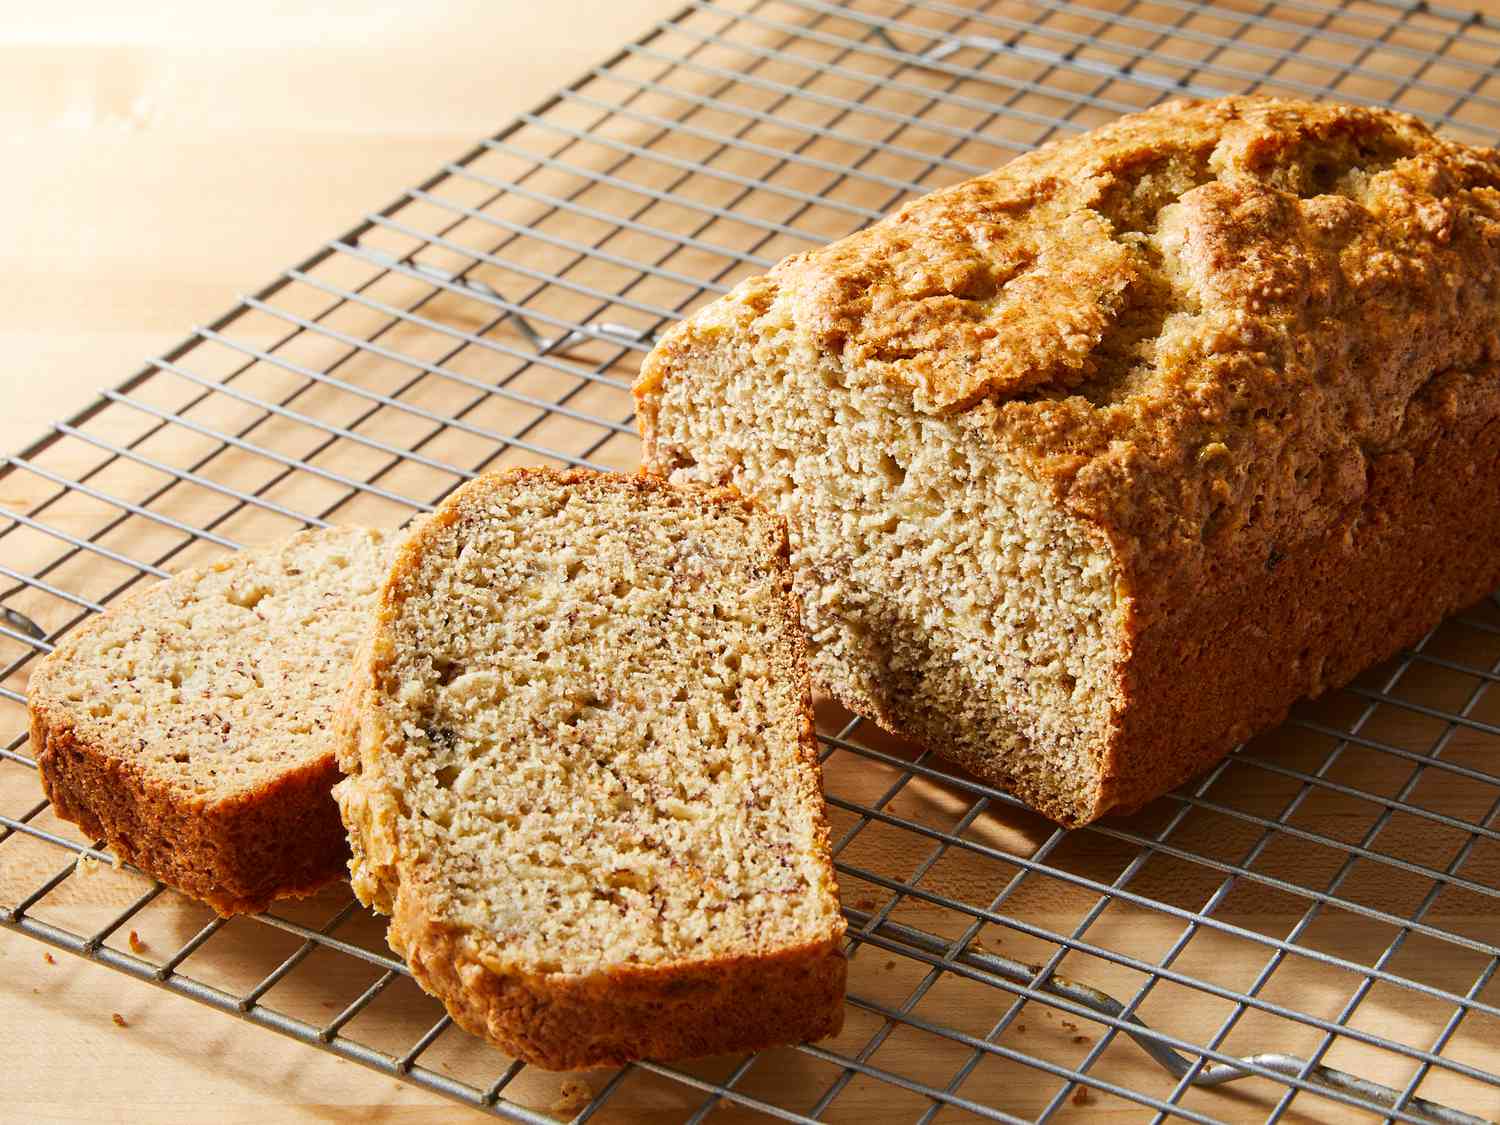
pixel 191 724
pixel 583 781
pixel 1096 464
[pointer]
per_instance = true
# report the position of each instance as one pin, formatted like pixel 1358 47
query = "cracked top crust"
pixel 1199 324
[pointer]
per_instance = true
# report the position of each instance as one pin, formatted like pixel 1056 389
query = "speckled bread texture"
pixel 1094 465
pixel 582 775
pixel 191 724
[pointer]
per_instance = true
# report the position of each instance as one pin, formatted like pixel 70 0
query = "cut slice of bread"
pixel 583 780
pixel 191 724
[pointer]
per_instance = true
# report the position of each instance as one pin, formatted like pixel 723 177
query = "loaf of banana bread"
pixel 1096 464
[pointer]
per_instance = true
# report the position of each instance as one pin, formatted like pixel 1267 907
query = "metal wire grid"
pixel 1320 906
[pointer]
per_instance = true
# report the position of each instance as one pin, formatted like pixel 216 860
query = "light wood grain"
pixel 163 158
pixel 167 158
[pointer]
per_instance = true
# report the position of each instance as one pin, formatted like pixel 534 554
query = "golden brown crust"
pixel 559 1020
pixel 1249 644
pixel 1211 331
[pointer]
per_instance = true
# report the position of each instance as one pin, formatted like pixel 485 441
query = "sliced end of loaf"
pixel 191 724
pixel 583 778
pixel 946 595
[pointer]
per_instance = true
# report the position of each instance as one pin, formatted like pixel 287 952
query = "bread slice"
pixel 190 725
pixel 583 780
pixel 1095 464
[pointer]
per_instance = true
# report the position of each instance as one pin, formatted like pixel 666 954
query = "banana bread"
pixel 191 724
pixel 1095 464
pixel 582 776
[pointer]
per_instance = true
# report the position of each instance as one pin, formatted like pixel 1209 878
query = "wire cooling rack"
pixel 1309 932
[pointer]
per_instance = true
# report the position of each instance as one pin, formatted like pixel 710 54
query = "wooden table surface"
pixel 160 160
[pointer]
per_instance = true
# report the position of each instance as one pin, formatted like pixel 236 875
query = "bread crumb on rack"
pixel 86 865
pixel 573 1095
pixel 1081 1096
pixel 119 1019
pixel 47 957
pixel 136 944
pixel 1080 1039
